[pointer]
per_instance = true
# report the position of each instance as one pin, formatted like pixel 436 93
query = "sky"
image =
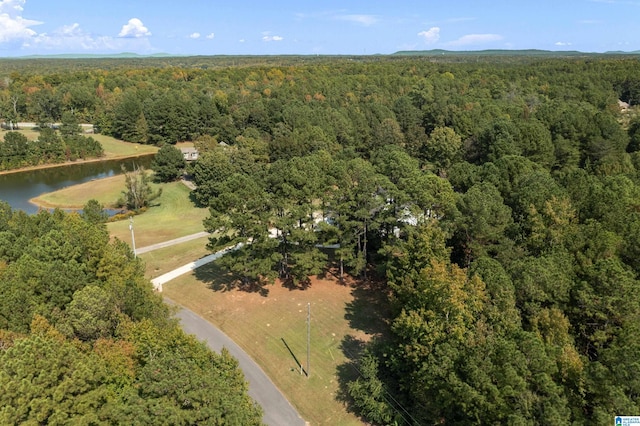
pixel 307 27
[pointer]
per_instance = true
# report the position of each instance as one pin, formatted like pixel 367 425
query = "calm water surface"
pixel 18 188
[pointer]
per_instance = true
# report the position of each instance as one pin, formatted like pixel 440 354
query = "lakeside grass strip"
pixel 170 216
pixel 113 149
pixel 106 191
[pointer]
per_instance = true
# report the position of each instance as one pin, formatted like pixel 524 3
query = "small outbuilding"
pixel 189 153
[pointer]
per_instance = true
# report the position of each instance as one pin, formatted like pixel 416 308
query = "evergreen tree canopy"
pixel 168 164
pixel 84 339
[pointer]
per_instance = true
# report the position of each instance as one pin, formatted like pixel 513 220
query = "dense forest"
pixel 85 340
pixel 496 199
pixel 50 147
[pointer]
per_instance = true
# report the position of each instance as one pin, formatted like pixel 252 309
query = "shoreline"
pixel 71 163
pixel 43 204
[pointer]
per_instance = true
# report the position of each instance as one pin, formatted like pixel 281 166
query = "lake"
pixel 18 188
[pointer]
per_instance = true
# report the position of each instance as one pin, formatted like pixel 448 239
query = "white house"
pixel 189 153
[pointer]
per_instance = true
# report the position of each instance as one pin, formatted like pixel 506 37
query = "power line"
pixel 385 391
pixel 392 402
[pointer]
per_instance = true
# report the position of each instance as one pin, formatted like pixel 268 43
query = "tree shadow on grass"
pixel 218 279
pixel 353 348
pixel 369 310
pixel 292 284
pixel 368 313
pixel 195 201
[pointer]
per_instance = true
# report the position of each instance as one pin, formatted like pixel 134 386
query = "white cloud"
pixel 562 43
pixel 72 38
pixel 266 36
pixel 13 27
pixel 194 35
pixel 211 36
pixel 72 30
pixel 134 29
pixel 432 35
pixel 471 39
pixel 16 34
pixel 366 20
pixel 11 7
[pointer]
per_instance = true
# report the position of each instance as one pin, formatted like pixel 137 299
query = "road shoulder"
pixel 277 409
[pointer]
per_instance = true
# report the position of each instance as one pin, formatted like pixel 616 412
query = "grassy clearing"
pixel 171 216
pixel 117 148
pixel 113 148
pixel 31 134
pixel 106 191
pixel 163 260
pixel 342 317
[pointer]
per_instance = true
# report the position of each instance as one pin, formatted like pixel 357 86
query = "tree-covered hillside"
pixel 85 340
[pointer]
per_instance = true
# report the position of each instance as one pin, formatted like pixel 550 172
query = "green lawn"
pixel 262 325
pixel 29 133
pixel 117 148
pixel 113 148
pixel 171 216
pixel 106 191
pixel 166 259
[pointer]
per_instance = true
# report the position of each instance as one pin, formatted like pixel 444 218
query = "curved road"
pixel 277 410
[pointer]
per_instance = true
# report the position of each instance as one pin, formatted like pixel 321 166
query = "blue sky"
pixel 240 27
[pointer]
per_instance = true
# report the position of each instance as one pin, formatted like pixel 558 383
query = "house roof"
pixel 188 149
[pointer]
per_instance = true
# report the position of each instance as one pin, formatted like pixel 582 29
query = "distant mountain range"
pixel 433 52
pixel 499 52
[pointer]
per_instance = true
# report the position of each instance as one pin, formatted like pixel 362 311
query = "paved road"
pixel 277 410
pixel 171 242
pixel 158 281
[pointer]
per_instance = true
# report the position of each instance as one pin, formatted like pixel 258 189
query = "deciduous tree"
pixel 138 192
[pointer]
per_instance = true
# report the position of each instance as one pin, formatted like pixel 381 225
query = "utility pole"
pixel 133 239
pixel 308 336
